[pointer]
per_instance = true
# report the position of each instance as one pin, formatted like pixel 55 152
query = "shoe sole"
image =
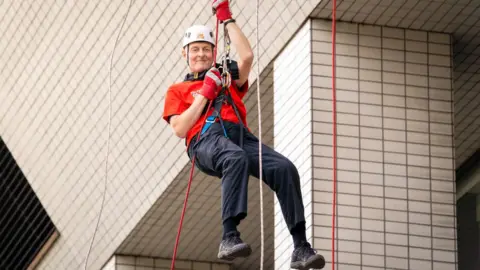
pixel 239 251
pixel 315 262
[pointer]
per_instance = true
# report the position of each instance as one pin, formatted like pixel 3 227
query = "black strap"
pixel 218 102
pixel 230 100
pixel 242 125
pixel 199 76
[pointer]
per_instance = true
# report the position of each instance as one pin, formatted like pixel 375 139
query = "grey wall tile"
pixel 395 132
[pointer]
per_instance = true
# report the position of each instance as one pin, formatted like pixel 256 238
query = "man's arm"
pixel 239 41
pixel 182 123
pixel 244 50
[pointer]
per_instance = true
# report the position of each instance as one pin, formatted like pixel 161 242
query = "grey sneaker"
pixel 305 257
pixel 233 247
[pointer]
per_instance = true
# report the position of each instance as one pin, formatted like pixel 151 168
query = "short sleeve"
pixel 174 104
pixel 242 90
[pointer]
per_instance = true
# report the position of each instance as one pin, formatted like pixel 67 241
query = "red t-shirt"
pixel 180 97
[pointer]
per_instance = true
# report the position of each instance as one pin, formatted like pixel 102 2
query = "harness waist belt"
pixel 215 114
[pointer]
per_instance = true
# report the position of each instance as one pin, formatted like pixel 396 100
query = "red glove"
pixel 212 84
pixel 222 9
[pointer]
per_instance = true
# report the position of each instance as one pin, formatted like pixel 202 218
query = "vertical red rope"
pixel 334 112
pixel 172 267
pixel 177 240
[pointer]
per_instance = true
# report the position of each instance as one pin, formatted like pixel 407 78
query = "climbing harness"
pixel 229 72
pixel 109 131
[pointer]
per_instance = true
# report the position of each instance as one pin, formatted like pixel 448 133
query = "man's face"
pixel 200 56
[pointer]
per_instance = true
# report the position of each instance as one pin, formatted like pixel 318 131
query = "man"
pixel 227 149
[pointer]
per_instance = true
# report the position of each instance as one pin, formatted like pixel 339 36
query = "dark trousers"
pixel 222 157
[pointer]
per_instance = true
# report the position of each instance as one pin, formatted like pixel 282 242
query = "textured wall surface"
pixel 396 155
pixel 54 105
pixel 458 18
pixel 293 129
pixel 120 262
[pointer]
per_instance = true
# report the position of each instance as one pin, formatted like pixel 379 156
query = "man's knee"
pixel 237 158
pixel 287 167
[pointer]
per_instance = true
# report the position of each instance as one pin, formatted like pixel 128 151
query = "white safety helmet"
pixel 198 33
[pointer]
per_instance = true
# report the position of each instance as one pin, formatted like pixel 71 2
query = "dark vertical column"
pixel 468 233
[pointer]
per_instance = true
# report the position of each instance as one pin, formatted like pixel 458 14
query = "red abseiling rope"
pixel 334 112
pixel 177 240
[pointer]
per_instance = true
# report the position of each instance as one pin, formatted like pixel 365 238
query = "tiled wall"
pixel 53 108
pixel 396 190
pixel 147 263
pixel 293 129
pixel 395 167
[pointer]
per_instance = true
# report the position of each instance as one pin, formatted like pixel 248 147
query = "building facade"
pixel 407 131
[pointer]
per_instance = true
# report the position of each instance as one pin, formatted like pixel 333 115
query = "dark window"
pixel 468 218
pixel 468 233
pixel 25 227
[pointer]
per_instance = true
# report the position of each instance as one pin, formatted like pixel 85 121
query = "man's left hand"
pixel 221 8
